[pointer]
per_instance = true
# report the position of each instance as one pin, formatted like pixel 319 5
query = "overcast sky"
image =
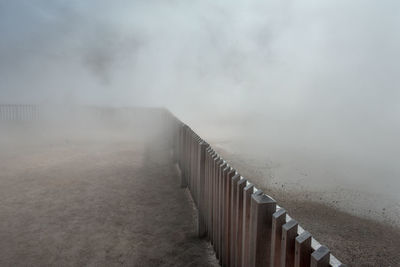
pixel 289 55
pixel 321 68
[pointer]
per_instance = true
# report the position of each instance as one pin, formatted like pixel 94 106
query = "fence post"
pixel 261 210
pixel 219 208
pixel 223 226
pixel 278 219
pixel 303 250
pixel 233 224
pixel 194 167
pixel 247 192
pixel 212 197
pixel 289 233
pixel 190 161
pixel 227 214
pixel 201 190
pixel 217 162
pixel 180 146
pixel 218 194
pixel 320 257
pixel 184 156
pixel 206 189
pixel 197 143
pixel 239 221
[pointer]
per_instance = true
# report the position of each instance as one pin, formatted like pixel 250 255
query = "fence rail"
pixel 245 226
pixel 18 112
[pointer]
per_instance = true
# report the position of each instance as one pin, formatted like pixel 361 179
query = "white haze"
pixel 321 76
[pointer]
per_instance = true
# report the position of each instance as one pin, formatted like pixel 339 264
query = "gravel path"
pixel 104 202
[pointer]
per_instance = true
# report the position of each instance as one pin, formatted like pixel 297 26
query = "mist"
pixel 310 82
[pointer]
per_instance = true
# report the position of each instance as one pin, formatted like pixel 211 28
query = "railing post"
pixel 223 225
pixel 201 190
pixel 210 195
pixel 239 221
pixel 193 161
pixel 303 250
pixel 233 223
pixel 180 145
pixel 289 233
pixel 215 201
pixel 197 165
pixel 206 190
pixel 190 161
pixel 278 219
pixel 247 192
pixel 218 219
pixel 320 257
pixel 227 214
pixel 214 216
pixel 221 210
pixel 261 210
pixel 184 157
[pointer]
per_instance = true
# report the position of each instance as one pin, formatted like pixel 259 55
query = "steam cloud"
pixel 319 74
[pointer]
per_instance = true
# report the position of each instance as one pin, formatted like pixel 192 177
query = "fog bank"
pixel 294 78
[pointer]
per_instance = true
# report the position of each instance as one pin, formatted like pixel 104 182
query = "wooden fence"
pixel 18 112
pixel 245 226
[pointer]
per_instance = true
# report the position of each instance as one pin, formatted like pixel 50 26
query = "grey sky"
pixel 287 54
pixel 331 66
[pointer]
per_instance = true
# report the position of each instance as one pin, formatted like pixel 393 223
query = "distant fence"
pixel 18 112
pixel 244 225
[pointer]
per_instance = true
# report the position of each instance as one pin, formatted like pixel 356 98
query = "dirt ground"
pixel 108 196
pixel 354 240
pixel 104 201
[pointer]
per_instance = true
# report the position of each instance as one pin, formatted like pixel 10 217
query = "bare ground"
pixel 354 240
pixel 92 202
pixel 113 199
